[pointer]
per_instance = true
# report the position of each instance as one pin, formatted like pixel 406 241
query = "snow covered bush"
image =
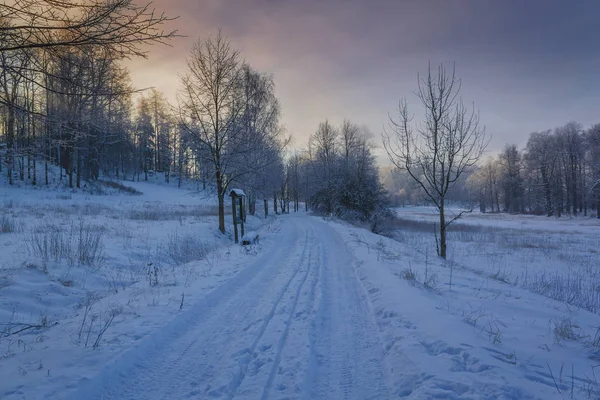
pixel 183 249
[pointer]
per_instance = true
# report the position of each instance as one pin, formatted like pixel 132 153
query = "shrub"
pixel 565 329
pixel 183 249
pixel 120 187
pixel 90 247
pixel 7 225
pixel 409 274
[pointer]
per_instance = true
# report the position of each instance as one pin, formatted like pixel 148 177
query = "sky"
pixel 525 65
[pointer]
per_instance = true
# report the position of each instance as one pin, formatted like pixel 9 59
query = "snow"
pixel 141 275
pixel 319 309
pixel 237 192
pixel 250 237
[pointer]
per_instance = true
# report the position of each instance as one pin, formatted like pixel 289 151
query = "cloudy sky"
pixel 527 65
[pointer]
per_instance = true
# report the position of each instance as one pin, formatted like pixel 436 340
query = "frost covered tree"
pixel 593 145
pixel 231 112
pixel 437 151
pixel 540 161
pixel 64 95
pixel 512 181
pixel 340 174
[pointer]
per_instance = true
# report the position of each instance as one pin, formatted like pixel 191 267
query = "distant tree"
pixel 144 137
pixel 571 145
pixel 341 177
pixel 593 145
pixel 323 150
pixel 439 150
pixel 540 159
pixel 512 182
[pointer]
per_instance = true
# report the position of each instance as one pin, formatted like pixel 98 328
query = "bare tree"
pixel 208 99
pixel 230 111
pixel 120 25
pixel 437 151
pixel 512 181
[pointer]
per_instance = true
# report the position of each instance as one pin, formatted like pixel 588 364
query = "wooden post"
pixel 235 231
pixel 242 217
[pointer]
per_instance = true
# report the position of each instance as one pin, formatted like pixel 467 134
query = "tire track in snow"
pixel 243 366
pixel 346 361
pixel 195 346
pixel 284 336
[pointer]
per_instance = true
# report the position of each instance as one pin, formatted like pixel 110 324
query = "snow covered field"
pixel 82 277
pixel 556 257
pixel 317 310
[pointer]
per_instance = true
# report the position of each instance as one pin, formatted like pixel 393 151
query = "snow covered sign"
pixel 237 192
pixel 237 198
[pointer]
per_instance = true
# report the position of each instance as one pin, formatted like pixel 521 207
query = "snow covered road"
pixel 294 324
pixel 323 312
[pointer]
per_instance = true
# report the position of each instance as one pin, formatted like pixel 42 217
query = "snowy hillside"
pixel 81 272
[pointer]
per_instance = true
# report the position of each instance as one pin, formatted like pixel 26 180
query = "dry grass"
pixel 184 249
pixel 154 212
pixel 79 244
pixel 497 254
pixel 7 224
pixel 120 187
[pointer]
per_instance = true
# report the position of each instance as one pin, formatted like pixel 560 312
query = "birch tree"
pixel 438 150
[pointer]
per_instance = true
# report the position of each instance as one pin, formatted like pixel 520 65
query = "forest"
pixel 557 173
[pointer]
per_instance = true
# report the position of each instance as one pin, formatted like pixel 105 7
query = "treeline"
pixel 66 100
pixel 557 173
pixel 81 113
pixel 336 175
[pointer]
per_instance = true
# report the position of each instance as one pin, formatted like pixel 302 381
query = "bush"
pixel 120 187
pixel 90 247
pixel 565 329
pixel 48 242
pixel 183 249
pixel 7 225
pixel 409 274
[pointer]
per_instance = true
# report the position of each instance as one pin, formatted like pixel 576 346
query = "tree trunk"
pixel 275 203
pixel 251 204
pixel 10 138
pixel 547 193
pixel 221 195
pixel 22 166
pixel 574 185
pixel 442 231
pixel 79 168
pixel 266 207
